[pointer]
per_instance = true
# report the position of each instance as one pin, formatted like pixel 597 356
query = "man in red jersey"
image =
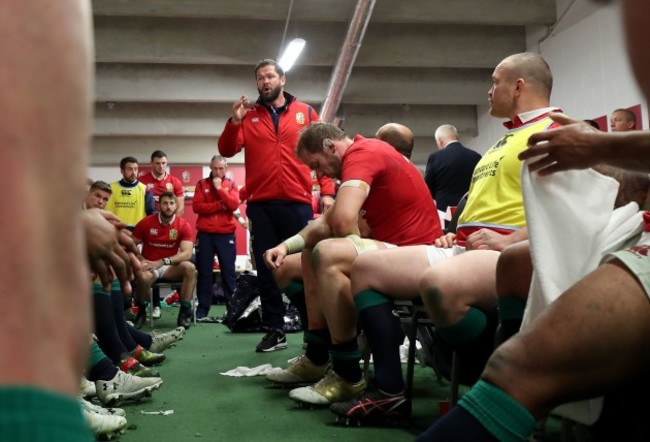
pixel 384 186
pixel 279 187
pixel 167 241
pixel 159 181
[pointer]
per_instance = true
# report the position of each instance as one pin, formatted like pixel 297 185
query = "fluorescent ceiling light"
pixel 291 53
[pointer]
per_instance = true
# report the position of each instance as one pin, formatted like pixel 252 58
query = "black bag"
pixel 251 319
pixel 245 292
pixel 244 312
pixel 292 322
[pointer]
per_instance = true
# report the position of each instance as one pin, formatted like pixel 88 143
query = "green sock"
pixel 384 334
pixel 293 288
pixel 98 289
pixel 511 308
pixel 318 337
pixel 353 355
pixel 33 414
pixel 115 286
pixel 369 298
pixel 466 330
pixel 504 417
pixel 96 354
pixel 318 344
pixel 511 313
pixel 186 304
pixel 345 360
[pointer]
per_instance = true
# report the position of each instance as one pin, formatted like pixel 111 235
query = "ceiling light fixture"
pixel 291 54
pixel 295 47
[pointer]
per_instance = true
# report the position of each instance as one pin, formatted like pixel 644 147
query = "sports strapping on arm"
pixel 344 216
pixel 357 184
pixel 295 244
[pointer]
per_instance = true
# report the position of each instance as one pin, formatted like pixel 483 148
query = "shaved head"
pixel 398 136
pixel 533 69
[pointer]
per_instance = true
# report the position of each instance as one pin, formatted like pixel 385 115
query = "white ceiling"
pixel 168 71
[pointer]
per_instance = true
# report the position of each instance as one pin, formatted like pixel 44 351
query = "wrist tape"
pixel 295 244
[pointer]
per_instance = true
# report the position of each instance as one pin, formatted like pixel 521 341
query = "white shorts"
pixel 437 254
pixel 637 259
pixel 161 272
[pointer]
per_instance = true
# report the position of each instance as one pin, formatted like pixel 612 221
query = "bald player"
pixel 398 136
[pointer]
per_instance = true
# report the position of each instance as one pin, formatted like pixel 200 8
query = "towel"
pixel 260 370
pixel 404 351
pixel 571 224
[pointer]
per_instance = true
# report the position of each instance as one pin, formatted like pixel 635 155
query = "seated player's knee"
pixel 335 250
pixel 279 276
pixel 432 300
pixel 290 270
pixel 439 296
pixel 325 254
pixel 145 278
pixel 508 259
pixel 514 270
pixel 430 287
pixel 188 269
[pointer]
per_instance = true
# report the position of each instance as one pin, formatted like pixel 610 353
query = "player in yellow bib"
pixel 457 286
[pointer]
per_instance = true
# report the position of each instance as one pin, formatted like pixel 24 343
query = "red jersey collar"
pixel 169 223
pixel 530 117
pixel 354 140
pixel 159 179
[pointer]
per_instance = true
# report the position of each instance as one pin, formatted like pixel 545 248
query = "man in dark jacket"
pixel 449 170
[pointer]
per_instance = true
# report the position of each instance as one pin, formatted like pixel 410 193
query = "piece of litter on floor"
pixel 159 412
pixel 260 370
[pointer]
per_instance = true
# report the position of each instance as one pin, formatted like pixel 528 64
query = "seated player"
pixel 376 180
pixel 167 243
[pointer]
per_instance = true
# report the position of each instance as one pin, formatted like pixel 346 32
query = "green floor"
pixel 212 407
